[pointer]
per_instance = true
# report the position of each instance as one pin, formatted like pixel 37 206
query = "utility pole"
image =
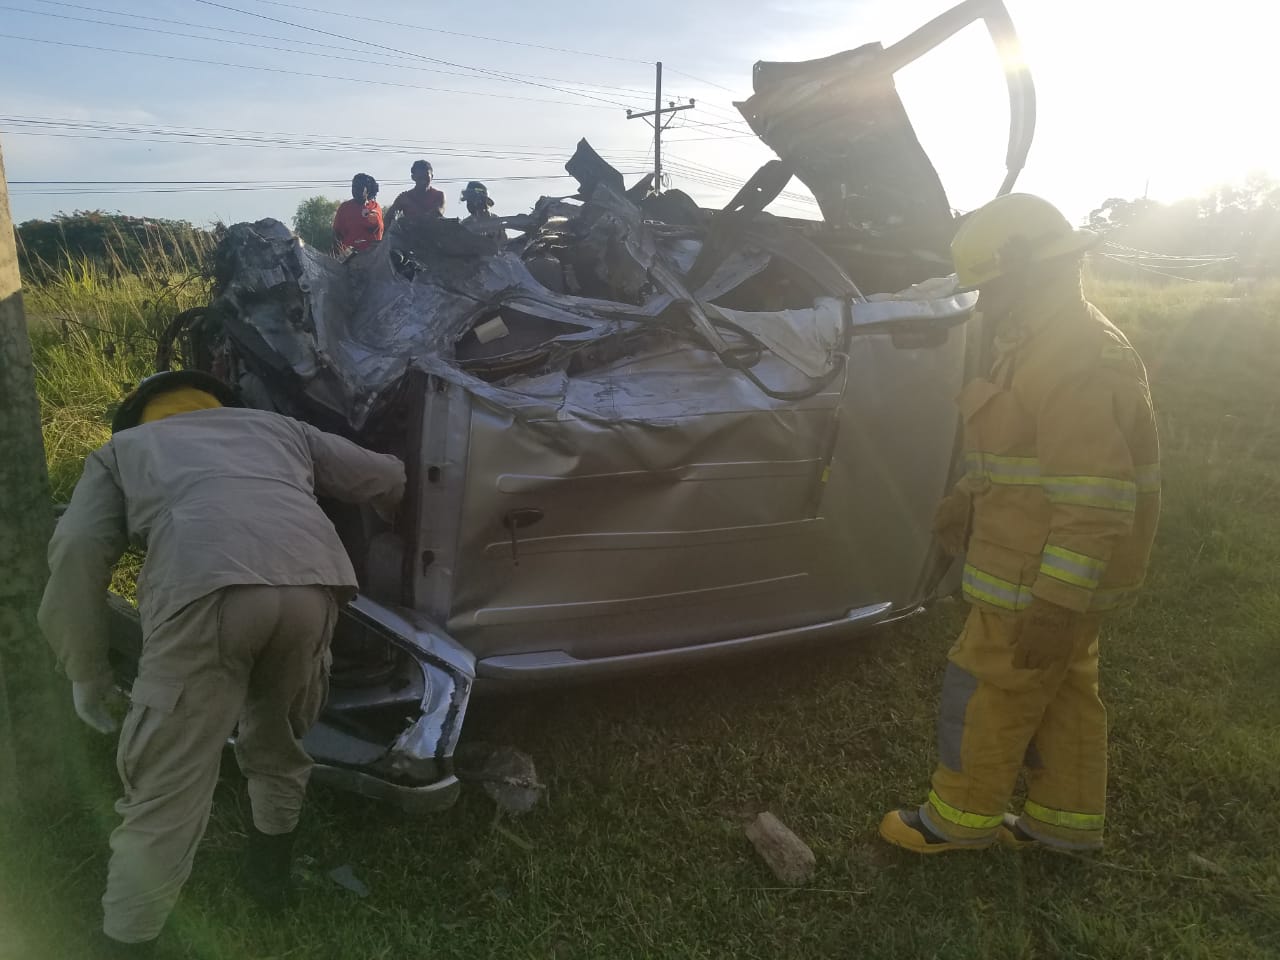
pixel 659 124
pixel 25 525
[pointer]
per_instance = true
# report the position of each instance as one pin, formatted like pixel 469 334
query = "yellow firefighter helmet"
pixel 1010 233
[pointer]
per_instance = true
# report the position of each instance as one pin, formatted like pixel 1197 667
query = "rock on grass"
pixel 789 857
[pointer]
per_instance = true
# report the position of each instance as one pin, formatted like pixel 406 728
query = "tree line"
pixel 1236 224
pixel 1239 223
pixel 112 243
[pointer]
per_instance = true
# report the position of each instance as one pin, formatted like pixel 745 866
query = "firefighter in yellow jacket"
pixel 1055 516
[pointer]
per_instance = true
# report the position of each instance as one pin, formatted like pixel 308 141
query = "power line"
pixel 407 53
pixel 731 179
pixel 1137 253
pixel 500 75
pixel 277 182
pixel 735 126
pixel 261 36
pixel 126 188
pixel 728 182
pixel 709 83
pixel 483 72
pixel 331 148
pixel 262 135
pixel 455 153
pixel 1149 269
pixel 242 43
pixel 729 190
pixel 299 73
pixel 76 188
pixel 434 151
pixel 731 136
pixel 187 23
pixel 724 112
pixel 219 136
pixel 475 36
pixel 454 33
pixel 412 26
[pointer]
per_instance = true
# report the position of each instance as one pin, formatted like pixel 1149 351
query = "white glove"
pixel 90 698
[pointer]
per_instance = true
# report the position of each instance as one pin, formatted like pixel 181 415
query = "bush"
pixel 313 222
pixel 112 243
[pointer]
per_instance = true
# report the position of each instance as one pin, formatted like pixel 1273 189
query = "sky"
pixel 234 110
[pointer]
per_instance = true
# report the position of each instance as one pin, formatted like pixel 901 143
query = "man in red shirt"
pixel 423 200
pixel 358 222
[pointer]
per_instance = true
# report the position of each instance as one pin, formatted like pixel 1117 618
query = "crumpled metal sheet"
pixel 346 334
pixel 613 291
pixel 806 340
pixel 839 123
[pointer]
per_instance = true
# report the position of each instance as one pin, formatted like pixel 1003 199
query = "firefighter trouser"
pixel 996 718
pixel 256 655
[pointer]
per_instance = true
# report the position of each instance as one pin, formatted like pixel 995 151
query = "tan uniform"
pixel 237 603
pixel 1064 478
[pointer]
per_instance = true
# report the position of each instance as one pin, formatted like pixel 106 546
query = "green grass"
pixel 639 850
pixel 91 337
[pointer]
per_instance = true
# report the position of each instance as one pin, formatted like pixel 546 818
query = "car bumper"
pixel 413 800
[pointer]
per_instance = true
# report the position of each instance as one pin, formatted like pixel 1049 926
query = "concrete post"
pixel 26 518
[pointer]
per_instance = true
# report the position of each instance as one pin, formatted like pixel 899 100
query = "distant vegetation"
pixel 313 222
pixel 1232 231
pixel 109 243
pixel 95 327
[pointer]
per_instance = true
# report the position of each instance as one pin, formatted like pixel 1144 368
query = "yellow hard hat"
pixel 180 400
pixel 1012 232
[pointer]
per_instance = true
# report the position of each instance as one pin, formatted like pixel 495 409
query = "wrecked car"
pixel 642 434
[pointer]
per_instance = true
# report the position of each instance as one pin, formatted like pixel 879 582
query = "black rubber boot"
pixel 105 948
pixel 266 875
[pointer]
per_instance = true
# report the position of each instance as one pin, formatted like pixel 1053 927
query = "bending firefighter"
pixel 238 597
pixel 1055 517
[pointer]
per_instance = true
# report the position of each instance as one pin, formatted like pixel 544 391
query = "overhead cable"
pixel 517 77
pixel 709 83
pixel 245 187
pixel 455 33
pixel 407 53
pixel 299 73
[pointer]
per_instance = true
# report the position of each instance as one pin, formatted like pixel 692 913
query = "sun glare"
pixel 1134 98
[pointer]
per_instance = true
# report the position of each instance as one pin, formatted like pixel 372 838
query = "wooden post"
pixel 661 117
pixel 657 129
pixel 26 518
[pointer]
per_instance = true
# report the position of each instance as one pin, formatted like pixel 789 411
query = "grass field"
pixel 639 850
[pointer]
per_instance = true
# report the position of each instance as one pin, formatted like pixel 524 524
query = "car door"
pixel 699 510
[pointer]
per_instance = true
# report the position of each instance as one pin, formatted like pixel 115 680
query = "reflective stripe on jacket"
pixel 1063 462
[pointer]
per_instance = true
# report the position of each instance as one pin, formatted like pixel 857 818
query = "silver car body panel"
pixel 664 527
pixel 648 499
